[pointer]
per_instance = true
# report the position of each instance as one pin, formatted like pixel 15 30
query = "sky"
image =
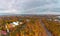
pixel 30 6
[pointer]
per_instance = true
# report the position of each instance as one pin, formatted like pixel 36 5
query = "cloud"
pixel 36 3
pixel 29 6
pixel 42 6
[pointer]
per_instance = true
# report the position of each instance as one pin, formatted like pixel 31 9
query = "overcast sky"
pixel 30 6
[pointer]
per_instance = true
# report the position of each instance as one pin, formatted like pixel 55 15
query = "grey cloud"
pixel 35 3
pixel 24 4
pixel 21 5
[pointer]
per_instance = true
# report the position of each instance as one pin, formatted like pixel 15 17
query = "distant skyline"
pixel 30 6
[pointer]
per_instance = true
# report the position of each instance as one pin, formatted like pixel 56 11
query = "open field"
pixel 33 25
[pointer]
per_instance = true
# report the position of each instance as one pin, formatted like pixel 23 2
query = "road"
pixel 48 32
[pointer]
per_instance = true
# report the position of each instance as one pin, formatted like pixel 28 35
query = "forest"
pixel 29 26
